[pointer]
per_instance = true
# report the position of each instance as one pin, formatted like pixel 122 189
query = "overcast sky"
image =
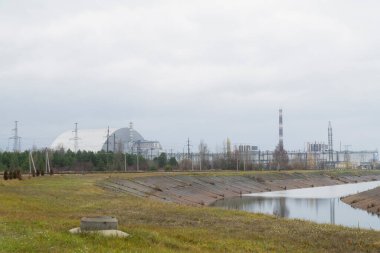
pixel 199 69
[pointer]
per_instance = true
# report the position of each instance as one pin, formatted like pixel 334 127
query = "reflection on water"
pixel 321 210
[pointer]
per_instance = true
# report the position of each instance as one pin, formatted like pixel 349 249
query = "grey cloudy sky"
pixel 200 69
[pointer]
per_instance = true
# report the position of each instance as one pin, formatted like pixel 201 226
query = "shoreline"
pixel 368 201
pixel 203 189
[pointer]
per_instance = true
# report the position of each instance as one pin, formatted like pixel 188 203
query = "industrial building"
pixel 317 155
pixel 256 158
pixel 125 140
pixel 317 147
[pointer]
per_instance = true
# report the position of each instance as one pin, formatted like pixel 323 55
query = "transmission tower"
pixel 188 148
pixel 331 148
pixel 76 138
pixel 16 139
pixel 189 156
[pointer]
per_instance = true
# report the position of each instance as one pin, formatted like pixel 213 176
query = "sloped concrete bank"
pixel 368 200
pixel 205 188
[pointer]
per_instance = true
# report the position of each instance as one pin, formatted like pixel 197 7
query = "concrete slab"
pixel 106 233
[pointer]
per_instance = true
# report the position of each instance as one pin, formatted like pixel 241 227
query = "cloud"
pixel 214 68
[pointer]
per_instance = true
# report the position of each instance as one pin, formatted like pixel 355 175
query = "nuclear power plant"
pixel 124 140
pixel 316 154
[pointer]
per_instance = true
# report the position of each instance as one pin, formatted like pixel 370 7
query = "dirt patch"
pixel 368 200
pixel 204 189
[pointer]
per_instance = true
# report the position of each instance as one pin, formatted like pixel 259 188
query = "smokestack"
pixel 281 131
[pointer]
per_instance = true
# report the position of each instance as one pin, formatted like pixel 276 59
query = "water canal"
pixel 318 204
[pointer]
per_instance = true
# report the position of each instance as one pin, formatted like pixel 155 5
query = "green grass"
pixel 36 214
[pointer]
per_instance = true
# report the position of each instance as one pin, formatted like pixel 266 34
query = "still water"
pixel 318 204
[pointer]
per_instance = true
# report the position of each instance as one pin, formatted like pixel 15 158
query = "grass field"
pixel 36 214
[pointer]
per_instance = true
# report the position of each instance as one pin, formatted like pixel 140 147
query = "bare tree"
pixel 280 158
pixel 120 147
pixel 203 155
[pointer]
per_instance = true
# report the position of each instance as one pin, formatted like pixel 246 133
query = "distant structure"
pixel 281 131
pixel 247 148
pixel 229 149
pixel 124 140
pixel 280 156
pixel 317 147
pixel 331 148
pixel 318 155
pixel 16 139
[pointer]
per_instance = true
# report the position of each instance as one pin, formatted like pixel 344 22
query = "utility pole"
pixel 47 162
pixel 108 137
pixel 31 163
pixel 137 154
pixel 114 143
pixel 107 145
pixel 244 157
pixel 125 162
pixel 281 131
pixel 138 161
pixel 347 155
pixel 331 148
pixel 192 163
pixel 200 161
pixel 189 157
pixel 237 163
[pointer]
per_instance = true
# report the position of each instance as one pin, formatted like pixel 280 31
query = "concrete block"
pixel 98 223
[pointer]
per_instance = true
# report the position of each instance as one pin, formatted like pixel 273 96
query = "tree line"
pixel 81 161
pixel 61 160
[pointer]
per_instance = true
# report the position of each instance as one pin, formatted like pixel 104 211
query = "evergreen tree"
pixel 162 160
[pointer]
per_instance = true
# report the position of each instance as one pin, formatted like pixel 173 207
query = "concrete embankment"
pixel 368 200
pixel 205 188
